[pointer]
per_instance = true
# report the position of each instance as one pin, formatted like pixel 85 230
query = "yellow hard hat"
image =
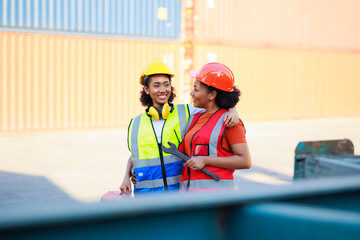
pixel 156 67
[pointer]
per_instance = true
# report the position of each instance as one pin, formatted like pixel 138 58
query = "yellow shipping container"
pixel 290 84
pixel 50 82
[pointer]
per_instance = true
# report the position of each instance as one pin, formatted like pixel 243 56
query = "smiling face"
pixel 159 89
pixel 201 96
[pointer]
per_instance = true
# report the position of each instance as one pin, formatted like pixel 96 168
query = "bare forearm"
pixel 240 160
pixel 129 166
pixel 231 162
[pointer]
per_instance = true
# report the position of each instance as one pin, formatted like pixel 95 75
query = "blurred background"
pixel 69 79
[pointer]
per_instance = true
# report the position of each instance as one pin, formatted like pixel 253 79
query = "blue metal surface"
pixel 295 221
pixel 304 210
pixel 330 166
pixel 112 18
pixel 343 150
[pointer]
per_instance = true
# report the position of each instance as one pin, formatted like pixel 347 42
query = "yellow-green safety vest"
pixel 156 170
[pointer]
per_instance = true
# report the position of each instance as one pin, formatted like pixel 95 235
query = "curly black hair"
pixel 145 98
pixel 224 99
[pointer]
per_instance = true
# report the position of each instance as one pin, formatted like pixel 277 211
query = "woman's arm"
pixel 240 160
pixel 125 187
pixel 231 117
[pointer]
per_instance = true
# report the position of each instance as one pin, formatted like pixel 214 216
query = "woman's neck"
pixel 211 108
pixel 158 106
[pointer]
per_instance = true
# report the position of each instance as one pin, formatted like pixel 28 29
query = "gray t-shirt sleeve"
pixel 194 110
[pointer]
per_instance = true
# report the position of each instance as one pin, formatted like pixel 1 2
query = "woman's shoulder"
pixel 236 133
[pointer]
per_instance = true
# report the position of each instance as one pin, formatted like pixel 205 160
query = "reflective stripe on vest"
pixel 158 182
pixel 183 119
pixel 208 184
pixel 213 144
pixel 155 161
pixel 145 150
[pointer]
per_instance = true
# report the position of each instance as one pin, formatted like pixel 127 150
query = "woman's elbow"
pixel 248 162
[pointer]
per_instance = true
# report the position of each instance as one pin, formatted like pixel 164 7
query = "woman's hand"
pixel 125 187
pixel 196 163
pixel 231 118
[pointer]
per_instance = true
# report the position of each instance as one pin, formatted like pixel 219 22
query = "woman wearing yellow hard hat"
pixel 162 122
pixel 208 142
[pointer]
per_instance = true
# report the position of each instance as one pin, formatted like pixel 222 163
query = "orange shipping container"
pixel 50 82
pixel 60 82
pixel 290 84
pixel 299 24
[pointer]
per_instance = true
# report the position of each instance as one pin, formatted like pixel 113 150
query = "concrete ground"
pixel 81 166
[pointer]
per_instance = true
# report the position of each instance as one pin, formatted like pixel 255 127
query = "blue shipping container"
pixel 145 19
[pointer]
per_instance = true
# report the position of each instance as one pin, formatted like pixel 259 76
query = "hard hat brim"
pixel 194 73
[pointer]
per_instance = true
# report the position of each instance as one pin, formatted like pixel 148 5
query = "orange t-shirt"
pixel 232 135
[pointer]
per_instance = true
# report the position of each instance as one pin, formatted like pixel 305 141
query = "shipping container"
pixel 150 19
pixel 50 82
pixel 289 84
pixel 296 24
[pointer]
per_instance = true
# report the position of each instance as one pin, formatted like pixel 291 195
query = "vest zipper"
pixel 177 137
pixel 188 183
pixel 163 171
pixel 163 168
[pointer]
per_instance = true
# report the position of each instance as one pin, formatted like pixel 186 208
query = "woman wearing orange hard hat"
pixel 208 142
pixel 161 122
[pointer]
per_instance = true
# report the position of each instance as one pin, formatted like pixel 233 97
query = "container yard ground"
pixel 83 165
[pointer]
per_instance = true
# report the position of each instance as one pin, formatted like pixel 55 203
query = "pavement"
pixel 81 166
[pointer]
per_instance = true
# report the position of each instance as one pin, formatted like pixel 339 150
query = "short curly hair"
pixel 145 98
pixel 225 100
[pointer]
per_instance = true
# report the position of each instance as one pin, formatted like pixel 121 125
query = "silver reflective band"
pixel 189 123
pixel 215 136
pixel 208 184
pixel 154 161
pixel 182 119
pixel 134 137
pixel 173 180
pixel 158 182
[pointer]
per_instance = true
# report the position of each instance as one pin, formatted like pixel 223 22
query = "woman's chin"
pixel 162 102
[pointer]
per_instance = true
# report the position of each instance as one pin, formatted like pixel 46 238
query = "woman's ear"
pixel 212 95
pixel 146 89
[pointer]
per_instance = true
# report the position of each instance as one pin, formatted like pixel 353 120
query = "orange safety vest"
pixel 207 142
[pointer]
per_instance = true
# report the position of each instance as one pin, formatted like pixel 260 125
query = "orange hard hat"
pixel 216 75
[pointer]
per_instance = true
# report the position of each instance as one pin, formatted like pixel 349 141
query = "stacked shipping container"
pixel 150 19
pixel 56 82
pixel 292 59
pixel 75 64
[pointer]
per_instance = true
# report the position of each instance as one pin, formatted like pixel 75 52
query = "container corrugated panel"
pixel 295 24
pixel 50 82
pixel 114 18
pixel 289 84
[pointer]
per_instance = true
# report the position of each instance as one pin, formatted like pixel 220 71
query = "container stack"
pixel 75 64
pixel 291 59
